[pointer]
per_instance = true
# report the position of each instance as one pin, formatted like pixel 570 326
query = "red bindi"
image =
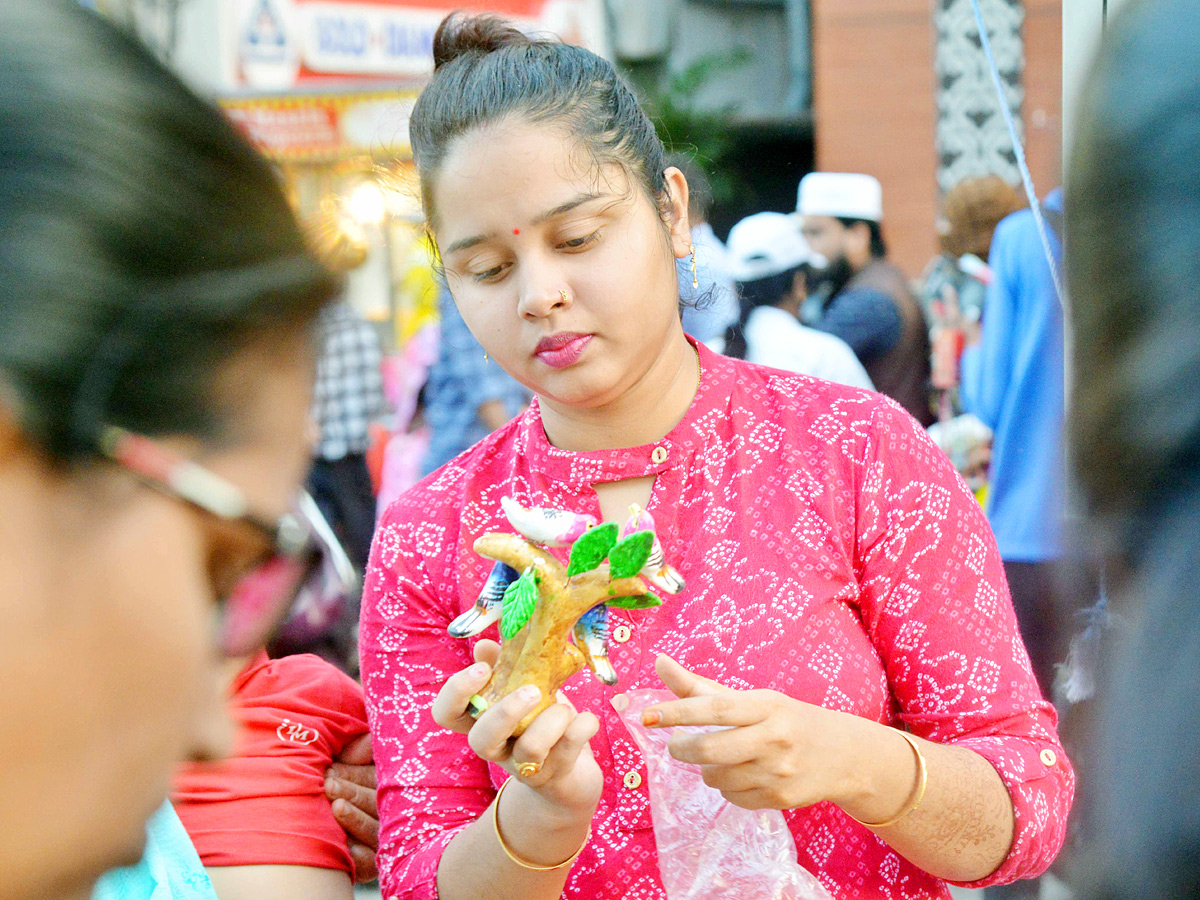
pixel 516 231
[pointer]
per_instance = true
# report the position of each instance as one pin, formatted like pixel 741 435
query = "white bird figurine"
pixel 549 527
pixel 591 637
pixel 488 605
pixel 656 570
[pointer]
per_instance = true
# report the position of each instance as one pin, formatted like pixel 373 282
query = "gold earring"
pixel 695 281
pixel 485 356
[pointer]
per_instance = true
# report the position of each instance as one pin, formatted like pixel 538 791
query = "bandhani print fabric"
pixel 831 553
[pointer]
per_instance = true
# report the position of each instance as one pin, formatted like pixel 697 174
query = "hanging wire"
pixel 1019 152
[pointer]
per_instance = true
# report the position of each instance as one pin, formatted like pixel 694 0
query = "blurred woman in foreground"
pixel 156 300
pixel 1133 263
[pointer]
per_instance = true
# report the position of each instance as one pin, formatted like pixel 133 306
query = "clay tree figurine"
pixel 547 604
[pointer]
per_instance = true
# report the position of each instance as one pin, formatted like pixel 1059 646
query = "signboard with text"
pixel 283 44
pixel 325 128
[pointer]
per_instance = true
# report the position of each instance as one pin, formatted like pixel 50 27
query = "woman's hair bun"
pixel 461 33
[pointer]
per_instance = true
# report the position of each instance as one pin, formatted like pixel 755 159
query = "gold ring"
pixel 529 769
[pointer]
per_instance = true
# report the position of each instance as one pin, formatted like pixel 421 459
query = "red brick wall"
pixel 873 111
pixel 874 106
pixel 1043 92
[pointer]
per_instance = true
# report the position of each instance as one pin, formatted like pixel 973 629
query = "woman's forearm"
pixel 475 866
pixel 963 827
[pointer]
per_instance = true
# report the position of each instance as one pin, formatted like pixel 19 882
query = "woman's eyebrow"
pixel 566 207
pixel 467 242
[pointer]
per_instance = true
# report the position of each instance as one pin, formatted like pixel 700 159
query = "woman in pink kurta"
pixel 840 577
pixel 831 553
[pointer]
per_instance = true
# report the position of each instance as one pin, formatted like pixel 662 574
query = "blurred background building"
pixel 761 91
pixel 324 89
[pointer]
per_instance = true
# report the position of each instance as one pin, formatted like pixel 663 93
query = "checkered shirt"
pixel 349 389
pixel 459 383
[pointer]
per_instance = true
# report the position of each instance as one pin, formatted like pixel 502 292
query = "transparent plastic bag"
pixel 709 849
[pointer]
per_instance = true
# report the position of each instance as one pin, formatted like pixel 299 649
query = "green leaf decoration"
pixel 517 606
pixel 629 556
pixel 640 601
pixel 590 549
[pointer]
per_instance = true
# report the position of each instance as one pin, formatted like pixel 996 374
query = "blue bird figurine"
pixel 488 605
pixel 591 637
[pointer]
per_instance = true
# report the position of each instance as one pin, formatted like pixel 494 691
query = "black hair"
pixel 1133 216
pixel 700 195
pixel 878 248
pixel 1133 264
pixel 486 70
pixel 142 240
pixel 766 291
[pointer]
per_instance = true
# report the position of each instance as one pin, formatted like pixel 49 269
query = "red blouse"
pixel 831 553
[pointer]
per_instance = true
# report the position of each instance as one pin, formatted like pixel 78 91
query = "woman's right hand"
pixel 569 779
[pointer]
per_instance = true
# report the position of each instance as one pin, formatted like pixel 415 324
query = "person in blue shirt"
pixel 169 868
pixel 466 397
pixel 710 305
pixel 1013 380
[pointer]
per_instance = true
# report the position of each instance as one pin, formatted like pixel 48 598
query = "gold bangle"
pixel 918 794
pixel 513 856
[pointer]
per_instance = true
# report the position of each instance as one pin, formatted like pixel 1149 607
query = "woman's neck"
pixel 646 412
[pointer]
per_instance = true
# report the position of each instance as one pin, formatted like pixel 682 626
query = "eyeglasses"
pixel 306 555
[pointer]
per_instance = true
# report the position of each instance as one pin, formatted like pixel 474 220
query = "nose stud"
pixel 563 294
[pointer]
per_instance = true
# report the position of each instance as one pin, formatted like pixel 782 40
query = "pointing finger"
pixel 685 683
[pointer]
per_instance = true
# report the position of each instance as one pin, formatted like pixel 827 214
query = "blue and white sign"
pixel 268 52
pixel 367 39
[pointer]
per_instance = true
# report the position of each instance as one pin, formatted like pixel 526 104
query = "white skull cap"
pixel 843 195
pixel 764 244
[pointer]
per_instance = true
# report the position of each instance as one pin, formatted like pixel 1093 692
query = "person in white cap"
pixel 868 302
pixel 770 260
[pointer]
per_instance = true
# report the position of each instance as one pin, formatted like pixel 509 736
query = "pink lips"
pixel 561 350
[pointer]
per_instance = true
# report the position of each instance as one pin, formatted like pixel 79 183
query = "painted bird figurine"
pixel 488 605
pixel 591 637
pixel 548 527
pixel 656 570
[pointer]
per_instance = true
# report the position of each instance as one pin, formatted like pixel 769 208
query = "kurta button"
pixel 633 780
pixel 1048 757
pixel 622 633
pixel 659 455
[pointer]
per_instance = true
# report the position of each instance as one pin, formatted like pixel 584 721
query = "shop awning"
pixel 318 128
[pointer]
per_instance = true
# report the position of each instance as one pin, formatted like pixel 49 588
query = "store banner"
pixel 307 70
pixel 367 39
pixel 283 44
pixel 325 128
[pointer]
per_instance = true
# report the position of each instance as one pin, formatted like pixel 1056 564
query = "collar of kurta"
pixel 675 449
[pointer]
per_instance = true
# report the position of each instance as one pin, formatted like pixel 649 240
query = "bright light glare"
pixel 366 205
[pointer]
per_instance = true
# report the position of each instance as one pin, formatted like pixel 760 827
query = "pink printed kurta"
pixel 830 552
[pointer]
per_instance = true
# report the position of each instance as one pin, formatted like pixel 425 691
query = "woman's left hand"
pixel 775 752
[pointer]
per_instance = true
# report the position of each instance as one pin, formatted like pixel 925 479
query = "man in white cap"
pixel 770 260
pixel 869 304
